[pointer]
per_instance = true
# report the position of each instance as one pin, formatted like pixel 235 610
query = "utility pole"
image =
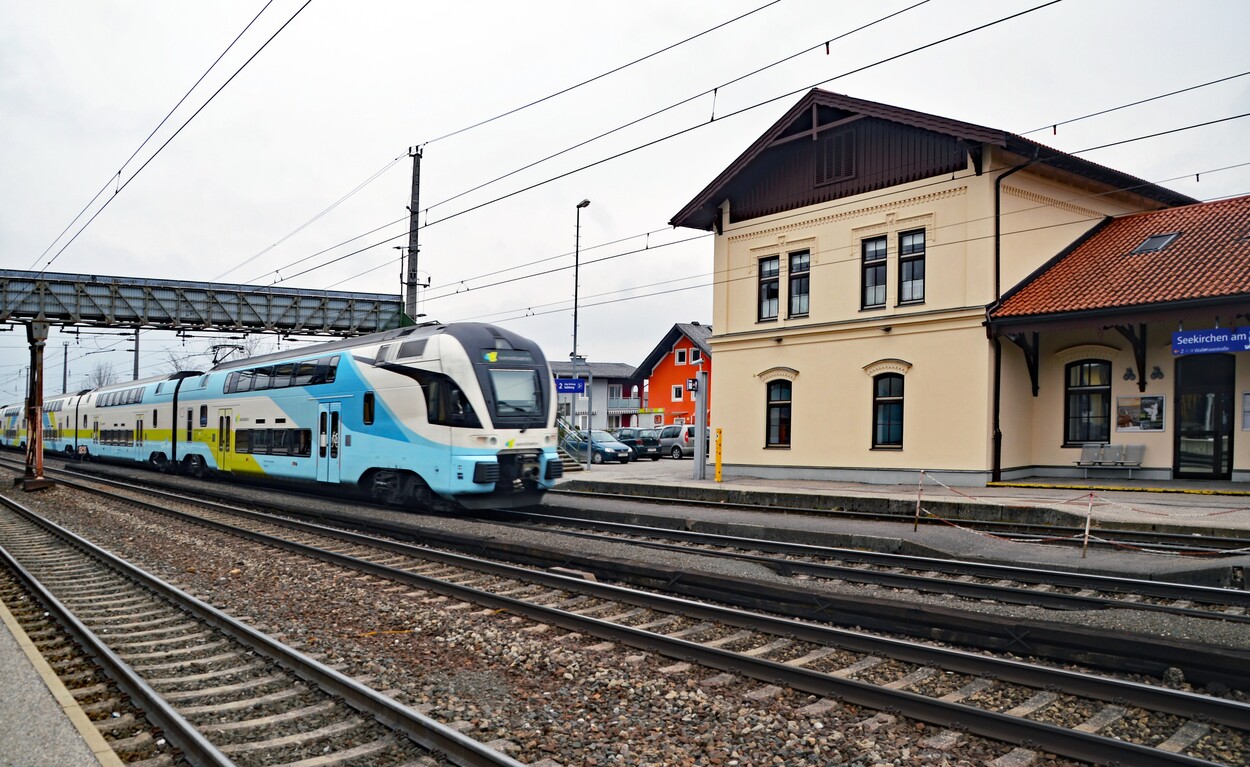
pixel 64 366
pixel 410 284
pixel 136 378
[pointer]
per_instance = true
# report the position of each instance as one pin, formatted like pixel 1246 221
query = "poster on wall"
pixel 1143 413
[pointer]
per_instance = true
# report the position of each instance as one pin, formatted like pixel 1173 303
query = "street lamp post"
pixel 577 246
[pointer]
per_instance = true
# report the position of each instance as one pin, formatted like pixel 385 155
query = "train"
pixel 460 415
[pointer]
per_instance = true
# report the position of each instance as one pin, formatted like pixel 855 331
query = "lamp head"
pixel 583 203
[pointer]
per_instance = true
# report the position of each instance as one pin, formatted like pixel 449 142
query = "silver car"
pixel 677 440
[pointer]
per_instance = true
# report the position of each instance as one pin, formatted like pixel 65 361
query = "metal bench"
pixel 1103 456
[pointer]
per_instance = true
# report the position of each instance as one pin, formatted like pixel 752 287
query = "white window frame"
pixel 679 356
pixel 677 393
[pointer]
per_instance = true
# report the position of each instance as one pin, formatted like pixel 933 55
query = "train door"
pixel 138 437
pixel 328 448
pixel 225 418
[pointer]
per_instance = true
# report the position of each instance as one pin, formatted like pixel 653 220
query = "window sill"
pixel 776 447
pixel 873 308
pixel 797 317
pixel 919 302
pixel 766 319
pixel 888 448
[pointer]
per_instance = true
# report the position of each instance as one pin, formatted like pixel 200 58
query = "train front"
pixel 516 452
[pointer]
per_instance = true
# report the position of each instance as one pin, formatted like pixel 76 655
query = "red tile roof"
pixel 1210 259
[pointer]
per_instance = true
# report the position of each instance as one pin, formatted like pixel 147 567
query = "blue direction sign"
pixel 570 386
pixel 1211 341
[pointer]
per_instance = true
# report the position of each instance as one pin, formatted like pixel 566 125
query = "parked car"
pixel 642 443
pixel 605 446
pixel 678 440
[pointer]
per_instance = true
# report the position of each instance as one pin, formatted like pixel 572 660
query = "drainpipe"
pixel 996 468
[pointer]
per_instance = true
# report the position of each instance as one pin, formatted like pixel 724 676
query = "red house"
pixel 679 356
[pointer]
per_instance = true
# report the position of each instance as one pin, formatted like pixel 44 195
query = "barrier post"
pixel 915 525
pixel 1089 514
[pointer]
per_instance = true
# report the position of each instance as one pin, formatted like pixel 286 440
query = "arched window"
pixel 777 428
pixel 1087 402
pixel 887 410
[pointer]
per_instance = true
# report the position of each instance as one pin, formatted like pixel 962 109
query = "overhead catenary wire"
pixel 836 205
pixel 145 141
pixel 176 133
pixel 669 136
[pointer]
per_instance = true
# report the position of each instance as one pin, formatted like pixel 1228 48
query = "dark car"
pixel 606 448
pixel 642 443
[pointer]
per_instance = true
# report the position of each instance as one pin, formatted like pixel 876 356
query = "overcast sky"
pixel 346 88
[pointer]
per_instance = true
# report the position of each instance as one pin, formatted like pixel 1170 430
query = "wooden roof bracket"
pixel 1137 338
pixel 1030 347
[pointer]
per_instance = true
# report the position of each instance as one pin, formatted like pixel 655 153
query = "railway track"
pixel 1058 531
pixel 1051 589
pixel 1076 714
pixel 221 692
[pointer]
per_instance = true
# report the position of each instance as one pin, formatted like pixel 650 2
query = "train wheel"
pixel 194 466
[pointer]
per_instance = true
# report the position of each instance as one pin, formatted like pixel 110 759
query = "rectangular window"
pixel 887 411
pixel 800 286
pixel 203 415
pixel 770 270
pixel 677 392
pixel 1087 403
pixel 777 427
pixel 616 391
pixel 696 355
pixel 368 408
pixel 243 441
pixel 911 267
pixel 282 375
pixel 679 357
pixel 873 272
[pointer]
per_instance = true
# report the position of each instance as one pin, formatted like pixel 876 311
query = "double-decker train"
pixel 460 414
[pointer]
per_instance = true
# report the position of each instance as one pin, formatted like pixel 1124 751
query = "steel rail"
pixel 995 725
pixel 895 510
pixel 1155 589
pixel 435 736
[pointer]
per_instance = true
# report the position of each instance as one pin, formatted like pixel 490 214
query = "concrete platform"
pixel 41 724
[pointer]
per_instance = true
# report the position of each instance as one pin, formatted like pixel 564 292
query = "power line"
pixel 150 135
pixel 673 135
pixel 160 149
pixel 836 205
pixel 1055 126
pixel 600 76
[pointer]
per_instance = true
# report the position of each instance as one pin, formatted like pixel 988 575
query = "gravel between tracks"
pixel 548 694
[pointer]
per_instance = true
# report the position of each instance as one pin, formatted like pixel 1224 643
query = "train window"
pixel 282 375
pixel 153 418
pixel 188 424
pixel 413 348
pixel 304 373
pixel 281 444
pixel 368 408
pixel 84 420
pixel 203 415
pixel 260 441
pixel 244 382
pixel 303 442
pixel 232 380
pixel 326 370
pixel 243 441
pixel 383 350
pixel 263 377
pixel 321 440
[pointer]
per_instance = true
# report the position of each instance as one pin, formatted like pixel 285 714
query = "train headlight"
pixel 489 440
pixel 550 439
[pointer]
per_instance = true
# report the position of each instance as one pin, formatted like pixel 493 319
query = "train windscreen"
pixel 517 393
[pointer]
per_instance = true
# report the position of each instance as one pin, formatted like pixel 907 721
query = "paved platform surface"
pixel 41 724
pixel 754 506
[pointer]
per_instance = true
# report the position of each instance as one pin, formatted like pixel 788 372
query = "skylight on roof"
pixel 1156 242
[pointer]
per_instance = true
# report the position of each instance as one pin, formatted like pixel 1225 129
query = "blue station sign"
pixel 570 386
pixel 1211 341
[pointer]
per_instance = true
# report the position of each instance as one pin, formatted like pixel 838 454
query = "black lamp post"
pixel 577 246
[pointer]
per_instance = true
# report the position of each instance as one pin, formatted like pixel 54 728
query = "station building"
pixel 896 291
